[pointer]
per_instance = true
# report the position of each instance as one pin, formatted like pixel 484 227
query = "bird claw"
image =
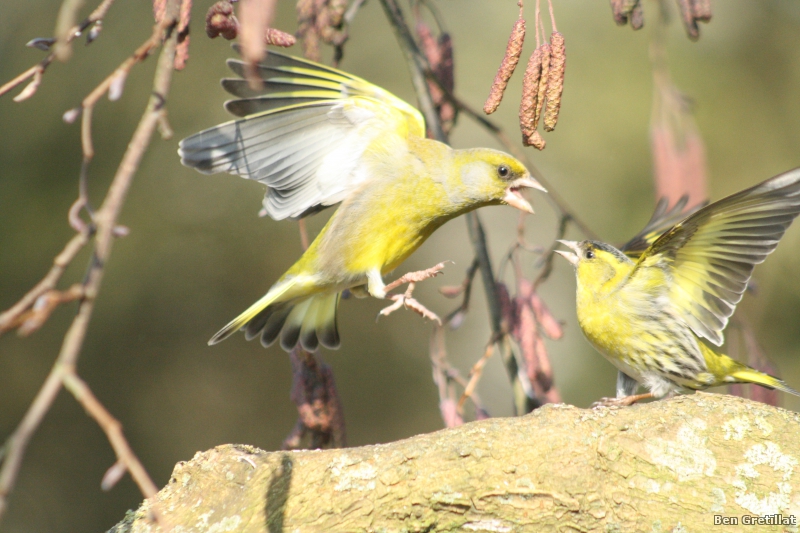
pixel 624 401
pixel 405 300
pixel 416 277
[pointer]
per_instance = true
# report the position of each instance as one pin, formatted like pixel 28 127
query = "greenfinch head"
pixel 491 177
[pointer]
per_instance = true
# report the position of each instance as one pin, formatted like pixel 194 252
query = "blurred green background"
pixel 197 254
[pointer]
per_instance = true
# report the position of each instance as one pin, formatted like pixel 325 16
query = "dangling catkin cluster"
pixel 439 53
pixel 692 12
pixel 320 21
pixel 542 85
pixel 625 11
pixel 541 90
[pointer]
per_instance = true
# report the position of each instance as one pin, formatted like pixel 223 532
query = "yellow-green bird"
pixel 651 318
pixel 317 136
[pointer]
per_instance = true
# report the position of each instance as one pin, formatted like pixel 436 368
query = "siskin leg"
pixel 622 402
pixel 626 385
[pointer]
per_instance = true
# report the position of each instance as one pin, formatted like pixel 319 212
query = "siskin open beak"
pixel 513 196
pixel 569 256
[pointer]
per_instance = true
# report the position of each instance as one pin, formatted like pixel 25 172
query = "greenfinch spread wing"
pixel 317 136
pixel 710 255
pixel 304 135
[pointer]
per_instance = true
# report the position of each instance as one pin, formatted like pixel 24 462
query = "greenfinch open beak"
pixel 569 256
pixel 513 196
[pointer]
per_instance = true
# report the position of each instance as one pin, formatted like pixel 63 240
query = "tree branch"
pixel 664 466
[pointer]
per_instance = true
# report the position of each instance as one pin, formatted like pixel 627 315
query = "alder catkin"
pixel 510 60
pixel 550 326
pixel 543 79
pixel 689 22
pixel 702 10
pixel 534 140
pixel 637 17
pixel 530 90
pixel 277 37
pixel 555 80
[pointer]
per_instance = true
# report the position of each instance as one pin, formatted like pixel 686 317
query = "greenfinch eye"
pixel 589 254
pixel 503 171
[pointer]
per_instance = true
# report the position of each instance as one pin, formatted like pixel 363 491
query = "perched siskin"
pixel 651 317
pixel 317 136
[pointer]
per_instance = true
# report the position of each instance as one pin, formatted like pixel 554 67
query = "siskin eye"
pixel 589 254
pixel 503 171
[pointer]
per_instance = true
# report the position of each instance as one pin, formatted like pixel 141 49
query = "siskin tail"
pixel 728 370
pixel 751 375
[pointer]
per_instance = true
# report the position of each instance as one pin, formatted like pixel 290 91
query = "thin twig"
pixel 60 263
pixel 113 430
pixel 63 369
pixel 97 15
pixel 39 67
pixel 475 374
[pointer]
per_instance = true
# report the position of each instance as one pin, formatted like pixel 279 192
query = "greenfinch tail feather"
pixel 272 297
pixel 272 328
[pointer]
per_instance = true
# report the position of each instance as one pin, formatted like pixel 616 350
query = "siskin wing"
pixel 662 220
pixel 306 134
pixel 710 255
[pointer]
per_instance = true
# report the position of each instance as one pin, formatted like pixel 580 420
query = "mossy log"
pixel 681 465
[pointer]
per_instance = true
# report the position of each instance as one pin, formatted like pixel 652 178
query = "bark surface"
pixel 664 466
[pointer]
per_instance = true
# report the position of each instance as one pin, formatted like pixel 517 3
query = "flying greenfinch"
pixel 317 136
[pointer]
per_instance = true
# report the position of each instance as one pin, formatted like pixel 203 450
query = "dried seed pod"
pixel 530 90
pixel 543 377
pixel 622 9
pixel 550 326
pixel 220 20
pixel 329 24
pixel 445 72
pixel 277 37
pixel 182 50
pixel 637 17
pixel 555 80
pixel 689 22
pixel 701 10
pixel 446 68
pixel 159 8
pixel 451 291
pixel 439 53
pixel 307 12
pixel 510 60
pixel 507 307
pixel 526 336
pixel 543 79
pixel 616 11
pixel 534 140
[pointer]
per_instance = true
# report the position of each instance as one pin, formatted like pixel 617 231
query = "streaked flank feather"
pixel 317 136
pixel 652 317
